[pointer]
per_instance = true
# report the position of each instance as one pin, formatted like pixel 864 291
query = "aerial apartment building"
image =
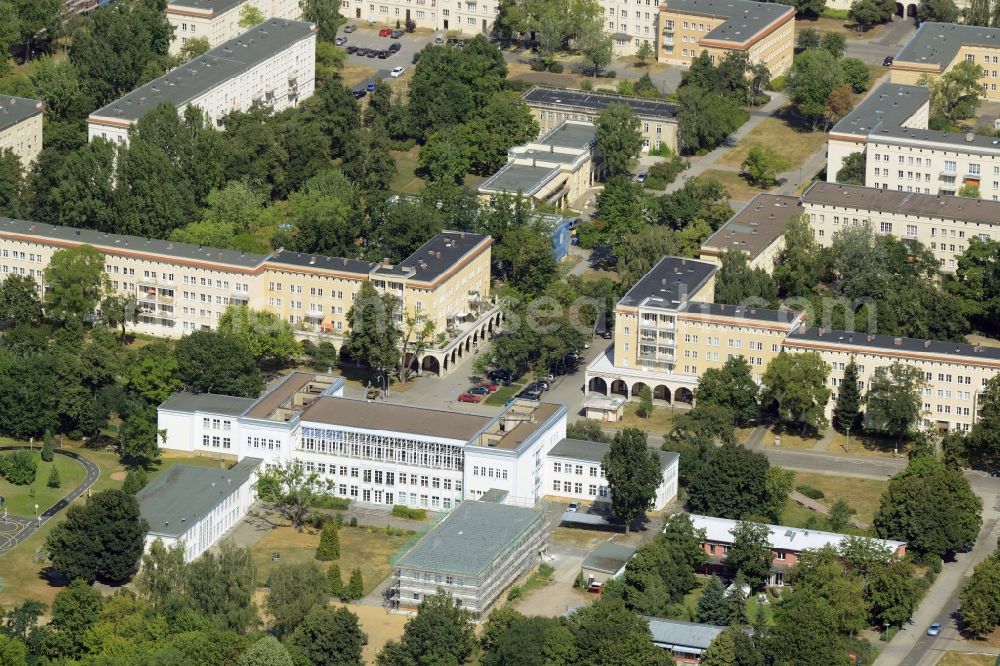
pixel 554 170
pixel 180 288
pixel 21 127
pixel 272 65
pixel 668 331
pixel 937 47
pixel 765 32
pixel 219 20
pixel 756 230
pixel 551 106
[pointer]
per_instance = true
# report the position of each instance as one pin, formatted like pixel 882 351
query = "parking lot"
pixel 366 37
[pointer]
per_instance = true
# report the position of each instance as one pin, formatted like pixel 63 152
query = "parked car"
pixel 452 41
pixel 479 390
pixel 396 72
pixel 351 49
pixel 470 397
pixel 371 86
pixel 340 41
pixel 529 395
pixel 573 507
pixel 888 61
pixel 396 34
pixel 359 93
pixel 641 178
pixel 499 376
pixel 934 629
pixel 385 32
pixel 607 335
pixel 350 28
pixel 383 55
pixel 373 53
pixel 489 386
pixel 537 387
pixel 394 48
pixel 460 43
pixel 362 52
pixel 438 38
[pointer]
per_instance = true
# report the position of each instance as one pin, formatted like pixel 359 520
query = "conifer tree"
pixel 336 582
pixel 47 447
pixel 846 414
pixel 356 586
pixel 713 607
pixel 329 543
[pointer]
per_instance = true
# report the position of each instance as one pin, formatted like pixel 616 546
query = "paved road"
pixel 29 525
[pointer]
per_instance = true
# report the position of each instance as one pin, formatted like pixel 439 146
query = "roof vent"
pixel 897 341
pixel 970 137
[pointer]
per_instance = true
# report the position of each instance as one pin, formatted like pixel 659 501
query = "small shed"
pixel 603 408
pixel 606 562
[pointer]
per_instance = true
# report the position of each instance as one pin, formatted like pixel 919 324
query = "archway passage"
pixel 637 389
pixel 598 385
pixel 911 11
pixel 431 364
pixel 684 395
pixel 661 392
pixel 619 387
pixel 899 9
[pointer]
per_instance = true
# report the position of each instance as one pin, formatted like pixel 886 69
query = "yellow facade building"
pixel 21 127
pixel 937 47
pixel 180 288
pixel 668 332
pixel 765 32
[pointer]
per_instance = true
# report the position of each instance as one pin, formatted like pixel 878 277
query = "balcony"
pixel 668 38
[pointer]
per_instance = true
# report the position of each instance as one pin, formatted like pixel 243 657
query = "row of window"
pixel 593 470
pixel 577 488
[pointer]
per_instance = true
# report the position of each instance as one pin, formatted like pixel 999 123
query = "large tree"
pixel 619 140
pixel 737 283
pixel 374 337
pixel 979 600
pixel 930 507
pixel 292 489
pixel 267 336
pixel 705 119
pixel 19 301
pixel 532 641
pixel 329 637
pixel 217 362
pixel 294 590
pixel 814 75
pixel 620 207
pixel 441 633
pixel 633 474
pixel 608 634
pixel 102 539
pixel 795 383
pixel 76 282
pixel 847 412
pixel 983 445
pixel 750 554
pixel 731 484
pixel 731 386
pixel 894 400
pixel 325 15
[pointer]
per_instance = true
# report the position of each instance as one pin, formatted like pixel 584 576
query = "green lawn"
pixel 503 394
pixel 21 500
pixel 406 180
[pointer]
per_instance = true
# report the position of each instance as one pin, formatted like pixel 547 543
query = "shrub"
pixel 663 150
pixel 580 582
pixel 778 83
pixel 411 25
pixel 888 634
pixel 135 480
pixel 610 74
pixel 19 467
pixel 556 68
pixel 810 492
pixel 336 582
pixel 329 543
pixel 356 586
pixel 331 502
pixel 655 183
pixel 516 592
pixel 586 85
pixel 839 14
pixel 47 447
pixel 54 481
pixel 667 170
pixel 760 100
pixel 354 521
pixel 537 66
pixel 400 511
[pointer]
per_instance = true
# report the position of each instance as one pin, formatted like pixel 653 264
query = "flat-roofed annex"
pixel 365 415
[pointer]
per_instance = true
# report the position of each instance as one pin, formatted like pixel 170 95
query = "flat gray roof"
pixel 750 314
pixel 568 98
pixel 668 283
pixel 963 209
pixel 184 494
pixel 438 255
pixel 609 557
pixel 399 418
pixel 677 633
pixel 745 19
pixel 891 343
pixel 756 226
pixel 889 105
pixel 41 232
pixel 226 61
pixel 581 449
pixel 215 6
pixel 569 135
pixel 966 142
pixel 17 109
pixel 470 538
pixel 521 178
pixel 212 403
pixel 938 43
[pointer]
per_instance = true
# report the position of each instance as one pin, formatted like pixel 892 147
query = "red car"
pixel 385 32
pixel 470 397
pixel 490 386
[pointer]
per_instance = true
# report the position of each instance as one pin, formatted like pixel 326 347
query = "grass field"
pixel 848 28
pixel 966 659
pixel 862 494
pixel 656 425
pixel 21 500
pixel 792 143
pixel 739 188
pixel 865 445
pixel 353 75
pixel 789 440
pixel 406 180
pixel 504 393
pixel 359 547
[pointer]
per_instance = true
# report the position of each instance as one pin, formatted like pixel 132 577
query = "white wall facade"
pixel 584 480
pixel 24 138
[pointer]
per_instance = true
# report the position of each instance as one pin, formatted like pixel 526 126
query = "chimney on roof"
pixel 345 261
pixel 820 332
pixel 927 343
pixel 312 260
pixel 897 341
pixel 871 338
pixel 970 137
pixel 386 262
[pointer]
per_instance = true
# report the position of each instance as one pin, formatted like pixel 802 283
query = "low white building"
pixel 272 65
pixel 21 127
pixel 371 451
pixel 219 20
pixel 196 506
pixel 574 471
